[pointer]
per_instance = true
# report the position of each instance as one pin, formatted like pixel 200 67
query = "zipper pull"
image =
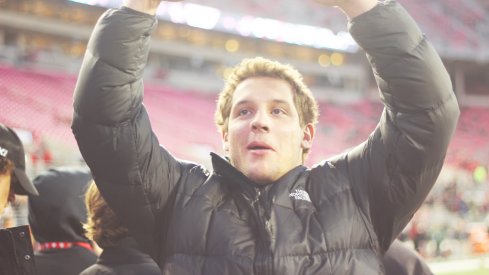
pixel 257 197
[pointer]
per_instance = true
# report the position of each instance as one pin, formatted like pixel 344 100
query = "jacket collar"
pixel 236 179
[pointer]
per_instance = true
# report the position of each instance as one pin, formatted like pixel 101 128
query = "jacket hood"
pixel 58 212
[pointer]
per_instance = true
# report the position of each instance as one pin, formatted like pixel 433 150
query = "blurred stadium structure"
pixel 195 44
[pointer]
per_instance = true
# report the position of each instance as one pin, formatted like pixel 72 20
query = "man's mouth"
pixel 259 146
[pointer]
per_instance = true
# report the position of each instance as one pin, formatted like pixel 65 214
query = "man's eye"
pixel 243 112
pixel 277 111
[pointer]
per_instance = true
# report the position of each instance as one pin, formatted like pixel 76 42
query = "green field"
pixel 474 272
pixel 470 266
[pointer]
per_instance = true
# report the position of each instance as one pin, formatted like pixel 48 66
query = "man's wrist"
pixel 145 6
pixel 354 8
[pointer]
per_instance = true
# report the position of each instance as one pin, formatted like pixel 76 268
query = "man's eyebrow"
pixel 276 101
pixel 242 102
pixel 280 101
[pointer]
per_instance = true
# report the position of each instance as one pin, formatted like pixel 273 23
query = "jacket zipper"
pixel 264 253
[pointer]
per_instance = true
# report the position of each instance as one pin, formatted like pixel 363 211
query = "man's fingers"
pixel 330 2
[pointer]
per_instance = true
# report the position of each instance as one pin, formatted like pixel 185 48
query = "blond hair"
pixel 103 226
pixel 304 101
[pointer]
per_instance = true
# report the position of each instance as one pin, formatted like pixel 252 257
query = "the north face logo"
pixel 300 194
pixel 3 152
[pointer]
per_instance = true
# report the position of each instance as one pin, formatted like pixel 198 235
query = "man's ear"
pixel 225 141
pixel 308 136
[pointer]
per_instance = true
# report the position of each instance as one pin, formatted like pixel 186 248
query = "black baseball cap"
pixel 11 148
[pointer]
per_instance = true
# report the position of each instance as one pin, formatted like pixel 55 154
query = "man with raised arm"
pixel 261 211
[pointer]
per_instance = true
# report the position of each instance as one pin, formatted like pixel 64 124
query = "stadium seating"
pixel 41 102
pixel 38 102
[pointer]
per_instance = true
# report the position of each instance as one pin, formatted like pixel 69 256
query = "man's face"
pixel 4 190
pixel 264 139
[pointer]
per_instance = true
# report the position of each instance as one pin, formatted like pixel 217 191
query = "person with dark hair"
pixel 402 260
pixel 56 217
pixel 16 253
pixel 120 255
pixel 260 210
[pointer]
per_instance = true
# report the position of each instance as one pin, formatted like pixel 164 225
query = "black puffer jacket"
pixel 400 259
pixel 335 218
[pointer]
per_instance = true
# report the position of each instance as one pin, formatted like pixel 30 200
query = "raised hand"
pixel 331 3
pixel 146 6
pixel 351 8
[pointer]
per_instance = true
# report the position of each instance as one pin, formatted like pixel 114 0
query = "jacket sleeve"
pixel 394 170
pixel 134 173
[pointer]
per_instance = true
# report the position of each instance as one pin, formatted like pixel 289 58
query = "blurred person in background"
pixel 56 217
pixel 121 254
pixel 261 211
pixel 16 253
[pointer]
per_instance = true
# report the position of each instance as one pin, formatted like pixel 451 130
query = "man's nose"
pixel 260 122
